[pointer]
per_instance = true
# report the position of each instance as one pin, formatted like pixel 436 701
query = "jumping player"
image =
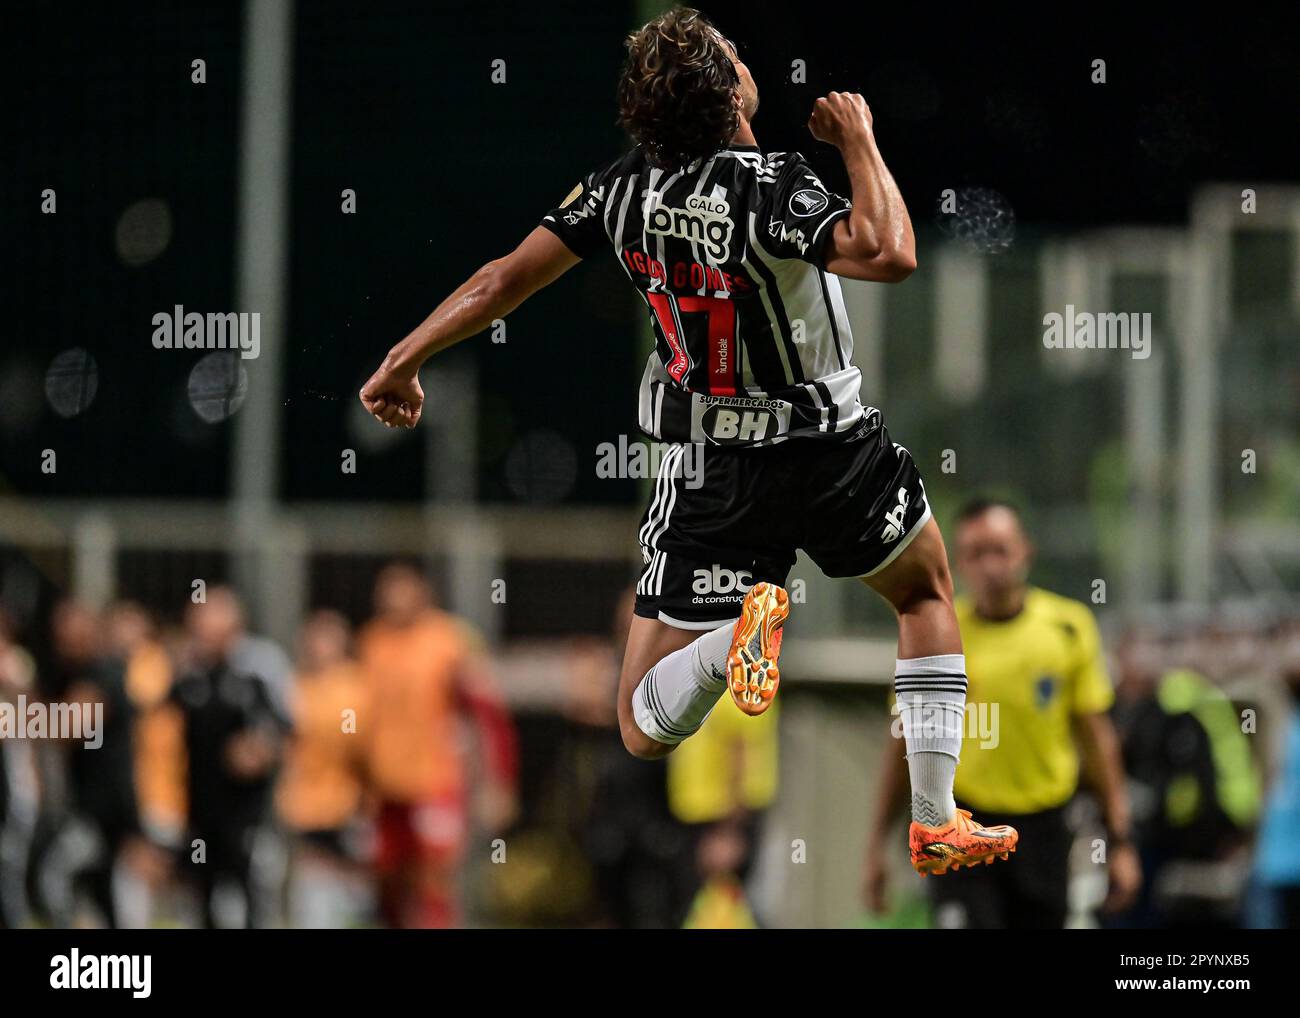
pixel 736 255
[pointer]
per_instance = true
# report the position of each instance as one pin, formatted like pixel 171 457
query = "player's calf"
pixel 676 693
pixel 930 692
pixel 675 696
pixel 671 680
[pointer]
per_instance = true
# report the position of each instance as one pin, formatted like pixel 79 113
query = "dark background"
pixel 395 101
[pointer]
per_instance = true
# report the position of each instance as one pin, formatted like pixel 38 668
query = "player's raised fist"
pixel 393 397
pixel 839 118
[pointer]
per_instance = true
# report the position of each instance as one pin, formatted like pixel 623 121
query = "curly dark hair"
pixel 677 93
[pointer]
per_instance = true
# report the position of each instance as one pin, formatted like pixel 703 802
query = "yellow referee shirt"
pixel 1028 678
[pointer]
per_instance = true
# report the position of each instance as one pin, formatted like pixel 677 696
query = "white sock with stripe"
pixel 931 695
pixel 676 695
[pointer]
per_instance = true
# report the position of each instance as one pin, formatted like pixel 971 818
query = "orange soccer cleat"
pixel 960 842
pixel 752 674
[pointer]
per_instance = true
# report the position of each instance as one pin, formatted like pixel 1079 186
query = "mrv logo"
pixel 782 233
pixel 722 581
pixel 75 971
pixel 704 221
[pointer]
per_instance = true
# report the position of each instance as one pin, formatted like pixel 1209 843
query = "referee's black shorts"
pixel 1028 891
pixel 723 519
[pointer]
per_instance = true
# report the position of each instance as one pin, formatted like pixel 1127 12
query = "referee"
pixel 1036 712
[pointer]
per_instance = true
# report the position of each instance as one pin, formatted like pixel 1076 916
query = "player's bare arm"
pixel 875 241
pixel 1104 767
pixel 393 394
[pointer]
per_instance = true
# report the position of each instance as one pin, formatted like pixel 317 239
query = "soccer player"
pixel 737 256
pixel 424 672
pixel 104 811
pixel 1038 658
pixel 234 733
pixel 319 796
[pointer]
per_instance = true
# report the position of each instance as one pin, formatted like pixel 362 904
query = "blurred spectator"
pixel 159 745
pixel 158 759
pixel 18 788
pixel 723 851
pixel 234 726
pixel 261 656
pixel 1195 784
pixel 319 796
pixel 425 670
pixel 671 843
pixel 631 838
pixel 1277 856
pixel 720 781
pixel 101 820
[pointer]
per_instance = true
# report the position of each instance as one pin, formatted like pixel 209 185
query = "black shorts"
pixel 1029 891
pixel 722 519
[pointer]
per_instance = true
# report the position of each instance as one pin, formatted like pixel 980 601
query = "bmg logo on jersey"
pixel 705 221
pixel 720 581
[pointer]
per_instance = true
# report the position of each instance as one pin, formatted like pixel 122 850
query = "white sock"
pixel 931 693
pixel 676 695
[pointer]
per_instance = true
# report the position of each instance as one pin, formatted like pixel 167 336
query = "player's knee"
pixel 641 745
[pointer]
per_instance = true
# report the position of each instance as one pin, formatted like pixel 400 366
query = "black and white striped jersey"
pixel 752 343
